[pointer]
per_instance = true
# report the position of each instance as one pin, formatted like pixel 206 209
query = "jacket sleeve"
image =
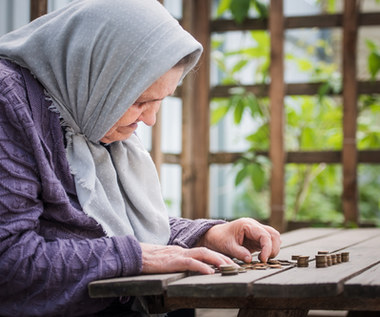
pixel 40 277
pixel 187 232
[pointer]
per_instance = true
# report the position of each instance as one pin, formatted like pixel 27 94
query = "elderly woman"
pixel 80 198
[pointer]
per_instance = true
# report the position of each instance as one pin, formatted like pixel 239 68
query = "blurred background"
pixel 215 143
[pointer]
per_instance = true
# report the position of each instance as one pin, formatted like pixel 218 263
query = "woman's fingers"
pixel 241 237
pixel 262 238
pixel 164 259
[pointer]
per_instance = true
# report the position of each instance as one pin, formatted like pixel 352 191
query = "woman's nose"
pixel 148 116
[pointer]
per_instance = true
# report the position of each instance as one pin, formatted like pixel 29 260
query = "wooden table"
pixel 289 291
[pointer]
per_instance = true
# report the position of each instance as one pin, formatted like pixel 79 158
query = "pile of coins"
pixel 302 260
pixel 228 269
pixel 270 264
pixel 324 259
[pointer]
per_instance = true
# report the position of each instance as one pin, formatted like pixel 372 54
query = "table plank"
pixel 320 282
pixel 255 282
pixel 151 284
pixel 333 242
pixel 294 237
pixel 366 284
pixel 216 285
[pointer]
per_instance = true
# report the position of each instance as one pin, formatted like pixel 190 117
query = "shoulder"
pixel 21 94
pixel 10 78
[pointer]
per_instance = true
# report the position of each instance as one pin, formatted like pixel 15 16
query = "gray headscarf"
pixel 95 58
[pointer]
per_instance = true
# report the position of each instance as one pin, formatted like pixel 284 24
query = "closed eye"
pixel 141 103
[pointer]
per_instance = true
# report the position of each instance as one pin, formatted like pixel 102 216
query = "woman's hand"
pixel 241 237
pixel 165 259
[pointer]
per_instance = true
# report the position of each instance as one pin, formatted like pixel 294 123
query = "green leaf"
pixel 323 90
pixel 222 7
pixel 218 113
pixel 331 6
pixel 239 9
pixel 373 64
pixel 371 45
pixel 261 9
pixel 257 176
pixel 239 65
pixel 253 104
pixel 308 138
pixel 304 64
pixel 239 109
pixel 241 175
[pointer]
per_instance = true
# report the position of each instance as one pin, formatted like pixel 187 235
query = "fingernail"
pixel 248 259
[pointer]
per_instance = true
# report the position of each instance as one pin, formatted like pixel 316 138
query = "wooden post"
pixel 276 95
pixel 187 112
pixel 196 126
pixel 350 95
pixel 37 8
pixel 156 151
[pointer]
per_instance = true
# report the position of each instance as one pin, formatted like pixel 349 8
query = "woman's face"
pixel 145 108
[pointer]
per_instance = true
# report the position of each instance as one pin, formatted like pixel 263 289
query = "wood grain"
pixel 296 22
pixel 366 284
pixel 38 8
pixel 277 121
pixel 152 284
pixel 291 281
pixel 319 282
pixel 350 112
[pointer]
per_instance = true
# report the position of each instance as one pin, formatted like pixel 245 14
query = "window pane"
pixel 171 188
pixel 171 125
pixel 229 201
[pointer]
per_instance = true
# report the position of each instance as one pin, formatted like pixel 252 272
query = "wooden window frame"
pixel 196 158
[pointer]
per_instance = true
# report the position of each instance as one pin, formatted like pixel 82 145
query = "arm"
pixel 186 232
pixel 181 254
pixel 39 275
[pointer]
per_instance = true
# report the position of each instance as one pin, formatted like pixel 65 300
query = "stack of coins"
pixel 333 259
pixel 345 256
pixel 321 260
pixel 338 258
pixel 228 269
pixel 329 260
pixel 303 261
pixel 260 266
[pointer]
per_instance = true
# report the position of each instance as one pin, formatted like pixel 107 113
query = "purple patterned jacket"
pixel 49 249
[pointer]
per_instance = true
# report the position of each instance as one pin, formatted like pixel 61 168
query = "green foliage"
pixel 373 59
pixel 328 5
pixel 240 9
pixel 313 192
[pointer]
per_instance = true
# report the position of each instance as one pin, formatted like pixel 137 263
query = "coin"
pixel 345 256
pixel 303 261
pixel 321 260
pixel 329 260
pixel 228 269
pixel 234 272
pixel 275 266
pixel 260 268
